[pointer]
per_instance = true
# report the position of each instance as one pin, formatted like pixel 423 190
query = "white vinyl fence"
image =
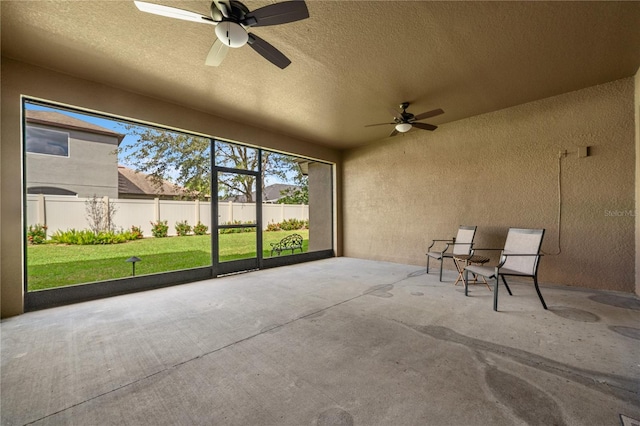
pixel 63 213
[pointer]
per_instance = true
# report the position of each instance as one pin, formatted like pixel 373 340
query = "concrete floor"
pixel 334 342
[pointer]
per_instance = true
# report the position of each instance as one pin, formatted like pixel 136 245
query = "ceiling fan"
pixel 232 20
pixel 404 120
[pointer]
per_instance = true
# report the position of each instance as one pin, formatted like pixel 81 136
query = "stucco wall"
pixel 637 233
pixel 320 207
pixel 500 170
pixel 90 169
pixel 24 79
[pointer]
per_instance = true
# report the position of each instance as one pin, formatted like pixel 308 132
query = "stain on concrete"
pixel 574 314
pixel 335 417
pixel 417 273
pixel 417 293
pixel 526 401
pixel 382 290
pixel 621 387
pixel 631 332
pixel 618 301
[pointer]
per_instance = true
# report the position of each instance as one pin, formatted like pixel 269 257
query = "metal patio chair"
pixel 460 245
pixel 520 257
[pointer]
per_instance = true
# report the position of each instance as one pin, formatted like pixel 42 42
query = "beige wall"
pixel 637 206
pixel 320 207
pixel 500 170
pixel 22 79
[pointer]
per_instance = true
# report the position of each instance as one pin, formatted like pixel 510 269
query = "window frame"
pixel 41 299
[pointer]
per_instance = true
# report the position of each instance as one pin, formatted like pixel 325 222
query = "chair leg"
pixel 428 263
pixel 506 285
pixel 495 294
pixel 441 263
pixel 466 282
pixel 535 282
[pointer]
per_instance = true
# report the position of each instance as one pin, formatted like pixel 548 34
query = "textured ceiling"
pixel 351 60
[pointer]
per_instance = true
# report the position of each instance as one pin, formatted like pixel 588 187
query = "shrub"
pixel 159 229
pixel 88 237
pixel 37 234
pixel 294 224
pixel 136 232
pixel 238 230
pixel 183 228
pixel 271 227
pixel 200 229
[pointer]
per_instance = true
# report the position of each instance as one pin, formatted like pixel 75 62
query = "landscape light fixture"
pixel 133 261
pixel 403 127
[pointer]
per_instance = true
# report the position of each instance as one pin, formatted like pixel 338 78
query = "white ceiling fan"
pixel 232 20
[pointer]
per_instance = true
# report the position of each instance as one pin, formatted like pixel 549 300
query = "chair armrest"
pixel 433 242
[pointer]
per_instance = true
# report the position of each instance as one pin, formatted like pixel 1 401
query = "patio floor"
pixel 334 342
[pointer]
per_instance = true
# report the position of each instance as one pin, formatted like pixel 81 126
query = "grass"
pixel 52 265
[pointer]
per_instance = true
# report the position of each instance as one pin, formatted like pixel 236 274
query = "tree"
pixel 100 214
pixel 186 160
pixel 297 195
pixel 171 156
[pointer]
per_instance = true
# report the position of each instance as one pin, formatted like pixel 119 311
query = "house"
pixel 364 336
pixel 69 156
pixel 133 184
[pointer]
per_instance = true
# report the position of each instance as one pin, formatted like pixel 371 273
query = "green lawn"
pixel 51 265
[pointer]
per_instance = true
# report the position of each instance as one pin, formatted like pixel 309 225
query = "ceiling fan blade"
pixel 395 132
pixel 279 13
pixel 224 7
pixel 172 12
pixel 216 54
pixel 379 124
pixel 396 114
pixel 424 126
pixel 428 114
pixel 269 52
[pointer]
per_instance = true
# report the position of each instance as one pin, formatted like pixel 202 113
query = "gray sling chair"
pixel 520 257
pixel 462 244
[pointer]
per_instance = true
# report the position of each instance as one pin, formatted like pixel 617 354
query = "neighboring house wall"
pixel 500 170
pixel 90 169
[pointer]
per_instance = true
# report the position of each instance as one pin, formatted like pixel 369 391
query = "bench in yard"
pixel 290 242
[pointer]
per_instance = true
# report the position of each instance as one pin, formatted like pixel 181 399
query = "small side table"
pixel 463 260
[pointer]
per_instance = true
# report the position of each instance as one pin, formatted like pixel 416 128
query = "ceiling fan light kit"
pixel 231 34
pixel 233 20
pixel 403 127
